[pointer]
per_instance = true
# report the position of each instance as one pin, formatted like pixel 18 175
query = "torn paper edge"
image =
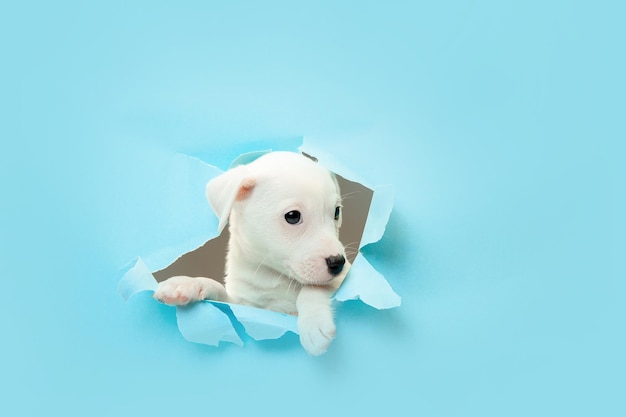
pixel 204 322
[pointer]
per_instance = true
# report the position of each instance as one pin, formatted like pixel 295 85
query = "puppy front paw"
pixel 178 291
pixel 316 333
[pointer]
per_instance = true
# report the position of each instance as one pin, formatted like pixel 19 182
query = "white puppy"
pixel 284 214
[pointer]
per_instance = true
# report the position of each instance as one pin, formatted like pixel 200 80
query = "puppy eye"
pixel 337 212
pixel 293 217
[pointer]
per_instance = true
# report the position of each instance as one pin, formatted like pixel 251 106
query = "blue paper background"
pixel 499 123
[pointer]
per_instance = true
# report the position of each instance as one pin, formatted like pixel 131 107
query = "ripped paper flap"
pixel 203 322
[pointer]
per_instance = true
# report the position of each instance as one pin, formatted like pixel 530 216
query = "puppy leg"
pixel 181 290
pixel 315 319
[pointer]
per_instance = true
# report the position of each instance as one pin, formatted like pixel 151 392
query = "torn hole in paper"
pixel 365 214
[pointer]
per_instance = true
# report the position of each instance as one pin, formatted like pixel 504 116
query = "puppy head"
pixel 284 212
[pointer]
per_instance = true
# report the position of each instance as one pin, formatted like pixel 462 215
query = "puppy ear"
pixel 223 190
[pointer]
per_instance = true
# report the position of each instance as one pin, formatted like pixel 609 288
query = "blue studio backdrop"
pixel 500 125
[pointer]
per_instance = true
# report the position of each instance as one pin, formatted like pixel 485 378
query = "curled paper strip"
pixel 211 322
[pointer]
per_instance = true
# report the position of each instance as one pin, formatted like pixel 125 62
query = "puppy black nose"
pixel 335 264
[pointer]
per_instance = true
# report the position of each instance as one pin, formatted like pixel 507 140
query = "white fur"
pixel 271 263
